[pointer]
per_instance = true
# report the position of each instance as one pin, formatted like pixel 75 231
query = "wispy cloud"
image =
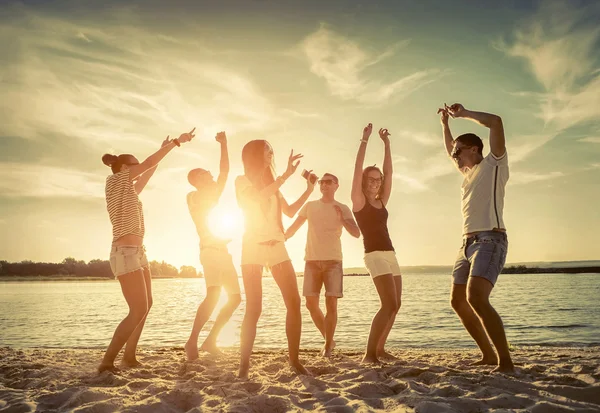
pixel 591 139
pixel 417 176
pixel 522 178
pixel 425 139
pixel 104 81
pixel 560 47
pixel 342 63
pixel 19 180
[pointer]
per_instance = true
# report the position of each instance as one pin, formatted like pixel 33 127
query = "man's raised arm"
pixel 491 121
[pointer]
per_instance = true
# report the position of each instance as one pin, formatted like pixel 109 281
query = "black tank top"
pixel 373 225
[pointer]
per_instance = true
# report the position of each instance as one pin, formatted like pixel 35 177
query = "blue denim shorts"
pixel 317 273
pixel 125 259
pixel 481 255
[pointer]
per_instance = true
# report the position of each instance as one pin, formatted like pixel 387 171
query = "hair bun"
pixel 109 159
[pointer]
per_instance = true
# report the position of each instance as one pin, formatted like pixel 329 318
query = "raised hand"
pixel 310 183
pixel 384 135
pixel 166 141
pixel 444 115
pixel 456 110
pixel 367 131
pixel 292 164
pixel 186 137
pixel 221 137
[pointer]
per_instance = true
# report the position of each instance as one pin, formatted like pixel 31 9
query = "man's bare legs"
pixel 326 324
pixel 133 286
pixel 330 324
pixel 252 276
pixel 285 277
pixel 205 309
pixel 472 324
pixel 210 344
pixel 386 288
pixel 478 296
pixel 381 353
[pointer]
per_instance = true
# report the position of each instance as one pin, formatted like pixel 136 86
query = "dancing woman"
pixel 128 260
pixel 371 191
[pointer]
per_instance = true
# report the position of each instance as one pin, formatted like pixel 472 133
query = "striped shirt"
pixel 124 206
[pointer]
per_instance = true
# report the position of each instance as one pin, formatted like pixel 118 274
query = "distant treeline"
pixel 523 269
pixel 513 269
pixel 101 269
pixel 93 269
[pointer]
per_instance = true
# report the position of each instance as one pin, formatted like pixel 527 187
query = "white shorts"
pixel 219 270
pixel 266 255
pixel 382 262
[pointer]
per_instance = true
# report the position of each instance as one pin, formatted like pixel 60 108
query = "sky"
pixel 79 80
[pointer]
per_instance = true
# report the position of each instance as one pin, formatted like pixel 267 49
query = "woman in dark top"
pixel 371 191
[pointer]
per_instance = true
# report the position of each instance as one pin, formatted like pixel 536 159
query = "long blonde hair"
pixel 259 174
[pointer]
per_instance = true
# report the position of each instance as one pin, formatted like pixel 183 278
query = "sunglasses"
pixel 458 150
pixel 374 180
pixel 327 182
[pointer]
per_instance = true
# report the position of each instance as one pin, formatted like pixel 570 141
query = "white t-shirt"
pixel 324 230
pixel 200 206
pixel 261 217
pixel 483 192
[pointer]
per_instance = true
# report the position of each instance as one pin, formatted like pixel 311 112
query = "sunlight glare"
pixel 226 223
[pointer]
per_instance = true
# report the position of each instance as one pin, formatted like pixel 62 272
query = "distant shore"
pixel 518 269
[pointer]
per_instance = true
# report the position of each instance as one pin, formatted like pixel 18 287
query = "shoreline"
pixel 421 380
pixel 20 278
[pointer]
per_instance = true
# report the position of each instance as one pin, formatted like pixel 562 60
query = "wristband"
pixel 176 142
pixel 364 140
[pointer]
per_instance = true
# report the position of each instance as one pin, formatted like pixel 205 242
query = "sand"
pixel 424 381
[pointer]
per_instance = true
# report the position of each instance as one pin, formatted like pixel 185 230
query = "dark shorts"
pixel 317 273
pixel 482 255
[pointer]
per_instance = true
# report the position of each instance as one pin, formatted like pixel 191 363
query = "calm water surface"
pixel 537 309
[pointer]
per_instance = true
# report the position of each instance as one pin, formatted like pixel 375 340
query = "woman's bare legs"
pixel 386 288
pixel 252 276
pixel 135 291
pixel 381 353
pixel 285 277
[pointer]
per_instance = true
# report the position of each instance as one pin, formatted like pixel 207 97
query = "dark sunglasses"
pixel 458 150
pixel 327 182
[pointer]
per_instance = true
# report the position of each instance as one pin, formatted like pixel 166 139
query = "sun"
pixel 226 223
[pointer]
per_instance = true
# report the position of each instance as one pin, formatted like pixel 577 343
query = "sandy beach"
pixel 424 381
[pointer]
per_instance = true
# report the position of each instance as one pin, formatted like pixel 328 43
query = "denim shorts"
pixel 127 258
pixel 317 273
pixel 481 255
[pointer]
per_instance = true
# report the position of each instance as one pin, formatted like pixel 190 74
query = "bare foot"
pixel 130 363
pixel 244 367
pixel 108 367
pixel 299 368
pixel 191 351
pixel 371 360
pixel 327 351
pixel 385 355
pixel 485 361
pixel 211 348
pixel 505 368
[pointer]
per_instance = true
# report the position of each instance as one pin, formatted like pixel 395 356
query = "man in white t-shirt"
pixel 326 218
pixel 483 252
